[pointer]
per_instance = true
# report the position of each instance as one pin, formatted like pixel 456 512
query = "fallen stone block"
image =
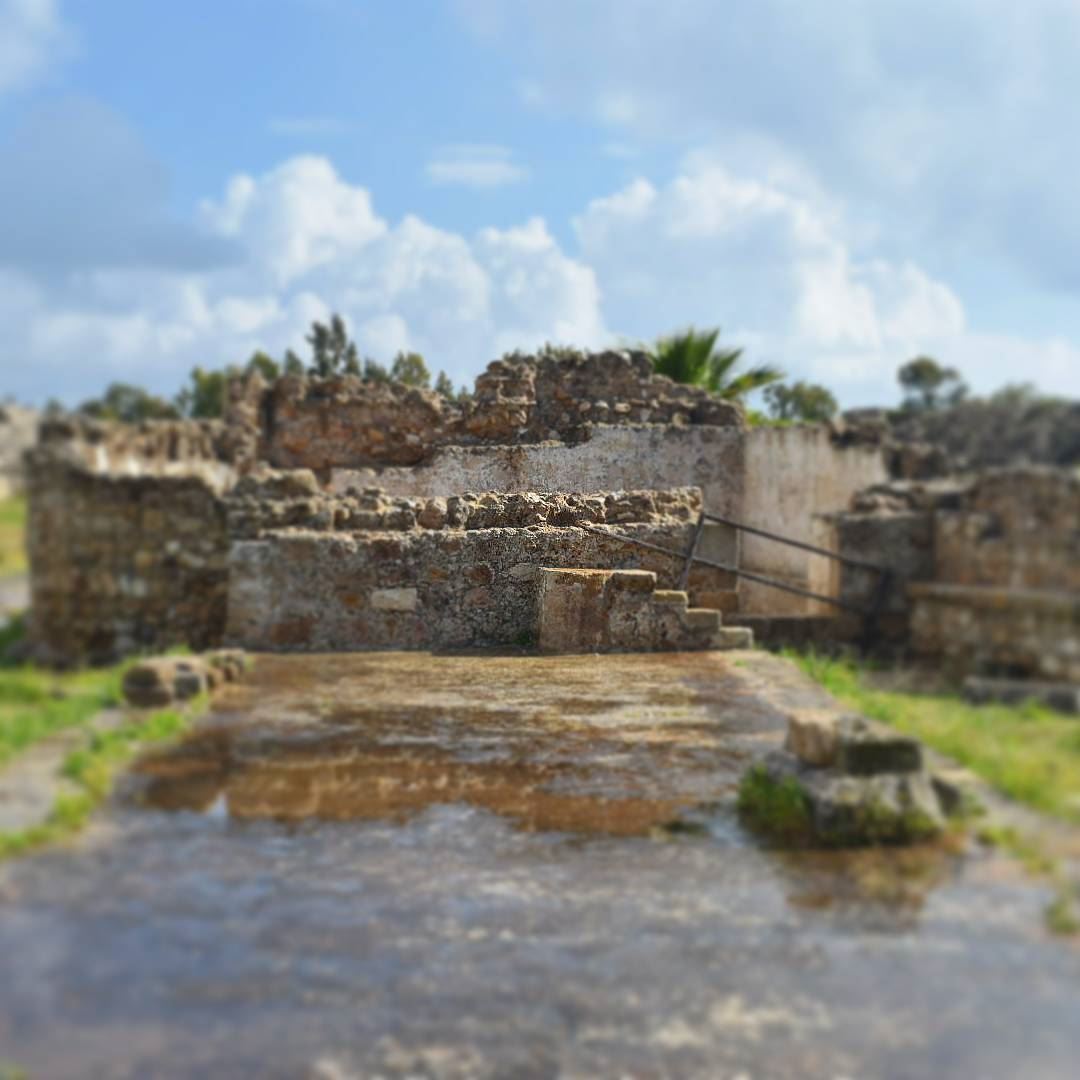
pixel 805 805
pixel 1062 697
pixel 150 683
pixel 228 663
pixel 871 750
pixel 813 736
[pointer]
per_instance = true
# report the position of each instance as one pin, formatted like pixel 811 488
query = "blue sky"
pixel 839 184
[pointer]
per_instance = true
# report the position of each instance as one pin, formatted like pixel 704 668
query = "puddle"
pixel 404 865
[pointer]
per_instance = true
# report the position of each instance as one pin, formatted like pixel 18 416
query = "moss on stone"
pixel 778 808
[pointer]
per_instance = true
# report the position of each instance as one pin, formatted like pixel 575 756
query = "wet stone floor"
pixel 458 866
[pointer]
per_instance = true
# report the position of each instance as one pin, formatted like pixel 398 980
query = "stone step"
pixel 677 597
pixel 732 637
pixel 706 620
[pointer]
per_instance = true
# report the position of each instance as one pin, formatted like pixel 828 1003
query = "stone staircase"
pixel 589 611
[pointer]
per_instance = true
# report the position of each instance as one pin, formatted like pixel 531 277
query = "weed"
pixel 1029 752
pixel 775 807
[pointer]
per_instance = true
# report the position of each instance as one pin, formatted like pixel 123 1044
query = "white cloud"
pixel 32 37
pixel 769 257
pixel 951 120
pixel 475 165
pixel 310 243
pixel 778 268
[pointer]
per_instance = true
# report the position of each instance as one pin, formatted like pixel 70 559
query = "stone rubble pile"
pixel 862 782
pixel 160 681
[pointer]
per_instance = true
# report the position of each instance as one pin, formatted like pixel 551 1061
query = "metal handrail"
pixel 801 544
pixel 691 556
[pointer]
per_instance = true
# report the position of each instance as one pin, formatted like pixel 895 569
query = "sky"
pixel 839 185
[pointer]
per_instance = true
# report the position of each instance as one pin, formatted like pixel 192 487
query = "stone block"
pixel 394 599
pixel 870 750
pixel 813 736
pixel 150 684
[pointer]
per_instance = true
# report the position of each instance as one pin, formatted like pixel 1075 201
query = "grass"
pixel 12 532
pixel 36 703
pixel 775 807
pixel 92 768
pixel 1029 752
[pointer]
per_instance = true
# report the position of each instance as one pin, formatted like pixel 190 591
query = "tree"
pixel 130 404
pixel 410 369
pixel 928 385
pixel 691 357
pixel 804 402
pixel 445 385
pixel 265 365
pixel 331 350
pixel 293 364
pixel 204 398
pixel 374 372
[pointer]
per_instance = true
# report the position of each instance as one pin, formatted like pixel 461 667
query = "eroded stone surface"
pixel 503 903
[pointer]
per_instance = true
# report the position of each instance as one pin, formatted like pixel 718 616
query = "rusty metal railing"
pixel 689 556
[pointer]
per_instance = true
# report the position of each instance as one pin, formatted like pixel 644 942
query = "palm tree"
pixel 692 357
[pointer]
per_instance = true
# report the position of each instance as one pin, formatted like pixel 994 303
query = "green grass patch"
pixel 92 768
pixel 1029 752
pixel 12 535
pixel 36 703
pixel 776 808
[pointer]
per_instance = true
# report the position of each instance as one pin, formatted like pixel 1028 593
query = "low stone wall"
pixel 1017 528
pixel 124 563
pixel 276 500
pixel 305 590
pixel 1019 633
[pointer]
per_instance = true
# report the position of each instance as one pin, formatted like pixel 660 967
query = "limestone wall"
pixel 18 430
pixel 449 588
pixel 1018 528
pixel 347 423
pixel 794 476
pixel 123 563
pixel 987 630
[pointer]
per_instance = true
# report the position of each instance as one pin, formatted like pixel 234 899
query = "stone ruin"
pixel 986 573
pixel 333 514
pixel 18 427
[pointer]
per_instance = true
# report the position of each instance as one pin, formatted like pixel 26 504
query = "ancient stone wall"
pixel 348 423
pixel 794 478
pixel 18 430
pixel 986 568
pixel 987 630
pixel 1018 528
pixel 447 588
pixel 123 563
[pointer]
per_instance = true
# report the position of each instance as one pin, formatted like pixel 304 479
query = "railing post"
pixel 691 551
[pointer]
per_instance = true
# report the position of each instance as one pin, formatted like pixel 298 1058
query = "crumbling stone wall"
pixel 282 499
pixel 18 429
pixel 345 422
pixel 987 567
pixel 124 563
pixel 1017 528
pixel 448 588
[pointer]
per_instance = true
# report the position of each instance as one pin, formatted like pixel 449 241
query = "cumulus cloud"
pixel 475 165
pixel 772 259
pixel 32 36
pixel 950 118
pixel 779 270
pixel 308 242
